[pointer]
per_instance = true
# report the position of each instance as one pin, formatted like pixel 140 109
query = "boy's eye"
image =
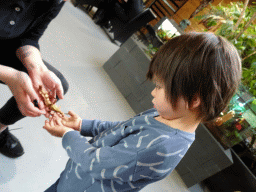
pixel 158 87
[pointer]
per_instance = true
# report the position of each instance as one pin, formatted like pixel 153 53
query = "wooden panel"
pixel 161 9
pixel 157 11
pixel 173 6
pixel 179 2
pixel 148 3
pixel 187 9
pixel 166 10
pixel 183 12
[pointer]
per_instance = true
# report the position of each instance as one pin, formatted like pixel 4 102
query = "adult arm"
pixel 29 54
pixel 38 72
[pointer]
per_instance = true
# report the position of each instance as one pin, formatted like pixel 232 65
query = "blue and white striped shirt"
pixel 121 156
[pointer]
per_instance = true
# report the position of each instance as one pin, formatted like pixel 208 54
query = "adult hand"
pixel 55 127
pixel 74 121
pixel 24 93
pixel 31 58
pixel 50 82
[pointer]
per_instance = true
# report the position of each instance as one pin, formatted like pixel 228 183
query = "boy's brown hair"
pixel 198 64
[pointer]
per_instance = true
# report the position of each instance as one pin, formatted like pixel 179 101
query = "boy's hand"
pixel 74 121
pixel 55 127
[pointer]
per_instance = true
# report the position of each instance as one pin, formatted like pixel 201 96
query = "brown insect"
pixel 47 101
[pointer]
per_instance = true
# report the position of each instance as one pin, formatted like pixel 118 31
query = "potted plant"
pixel 164 36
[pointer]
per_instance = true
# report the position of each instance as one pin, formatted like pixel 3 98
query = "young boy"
pixel 196 74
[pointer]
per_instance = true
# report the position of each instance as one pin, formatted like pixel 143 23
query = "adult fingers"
pixel 29 90
pixel 41 105
pixel 47 115
pixel 26 112
pixel 27 108
pixel 58 86
pixel 54 94
pixel 54 91
pixel 31 104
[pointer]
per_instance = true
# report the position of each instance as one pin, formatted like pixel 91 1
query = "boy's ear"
pixel 196 102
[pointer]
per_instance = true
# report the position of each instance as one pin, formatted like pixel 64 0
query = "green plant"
pixel 151 50
pixel 165 35
pixel 162 33
pixel 235 22
pixel 249 78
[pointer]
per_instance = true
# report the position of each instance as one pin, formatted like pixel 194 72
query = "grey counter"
pixel 204 158
pixel 127 68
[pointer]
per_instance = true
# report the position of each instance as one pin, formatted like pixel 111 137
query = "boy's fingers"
pixel 55 117
pixel 72 113
pixel 46 124
pixel 63 122
pixel 62 116
pixel 59 121
pixel 51 123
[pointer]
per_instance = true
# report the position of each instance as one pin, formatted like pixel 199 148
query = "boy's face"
pixel 164 107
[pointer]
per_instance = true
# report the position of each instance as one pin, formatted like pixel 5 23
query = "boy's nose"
pixel 153 92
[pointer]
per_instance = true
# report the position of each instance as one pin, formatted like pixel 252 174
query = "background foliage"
pixel 240 29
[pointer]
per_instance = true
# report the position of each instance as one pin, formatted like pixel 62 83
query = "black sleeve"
pixel 32 36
